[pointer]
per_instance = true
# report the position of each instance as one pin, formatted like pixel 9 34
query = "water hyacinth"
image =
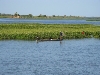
pixel 29 31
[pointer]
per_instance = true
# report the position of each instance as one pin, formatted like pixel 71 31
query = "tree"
pixel 30 15
pixel 44 16
pixel 64 15
pixel 40 15
pixel 53 15
pixel 16 14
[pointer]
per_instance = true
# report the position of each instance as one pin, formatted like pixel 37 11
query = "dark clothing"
pixel 60 33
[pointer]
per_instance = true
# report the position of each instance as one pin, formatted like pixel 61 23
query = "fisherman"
pixel 83 32
pixel 61 35
pixel 37 38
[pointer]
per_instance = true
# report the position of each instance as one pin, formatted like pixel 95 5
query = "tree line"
pixel 41 16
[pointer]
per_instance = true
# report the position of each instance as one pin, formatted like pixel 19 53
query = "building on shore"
pixel 16 15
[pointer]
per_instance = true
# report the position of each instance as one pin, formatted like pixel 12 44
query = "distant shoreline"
pixel 94 20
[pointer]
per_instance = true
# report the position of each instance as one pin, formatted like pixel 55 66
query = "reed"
pixel 29 31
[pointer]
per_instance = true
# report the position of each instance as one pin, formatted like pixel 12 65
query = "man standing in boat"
pixel 61 35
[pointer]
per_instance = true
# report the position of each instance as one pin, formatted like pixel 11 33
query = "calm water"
pixel 8 20
pixel 70 57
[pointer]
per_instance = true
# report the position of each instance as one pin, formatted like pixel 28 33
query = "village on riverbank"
pixel 42 16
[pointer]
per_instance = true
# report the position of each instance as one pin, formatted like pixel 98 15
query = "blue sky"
pixel 87 8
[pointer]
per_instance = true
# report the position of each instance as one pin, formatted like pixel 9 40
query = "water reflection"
pixel 68 57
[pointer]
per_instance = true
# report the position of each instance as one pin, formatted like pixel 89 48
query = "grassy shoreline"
pixel 93 20
pixel 29 31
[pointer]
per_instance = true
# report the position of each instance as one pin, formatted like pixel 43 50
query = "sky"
pixel 89 8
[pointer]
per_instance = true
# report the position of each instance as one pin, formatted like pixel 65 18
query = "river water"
pixel 68 57
pixel 9 20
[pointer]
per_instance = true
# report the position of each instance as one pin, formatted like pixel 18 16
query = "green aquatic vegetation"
pixel 30 31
